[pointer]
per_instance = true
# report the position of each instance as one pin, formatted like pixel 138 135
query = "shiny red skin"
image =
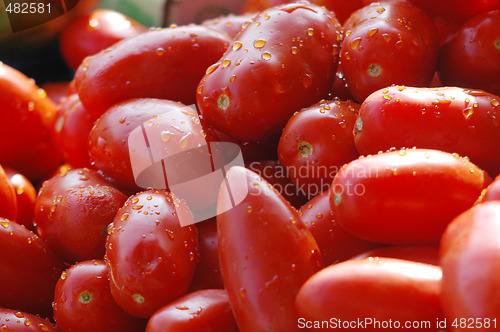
pixel 335 243
pixel 151 258
pixel 451 119
pixel 255 6
pixel 419 254
pixel 403 33
pixel 108 140
pixel 72 212
pixel 71 128
pixel 382 289
pixel 316 142
pixel 471 58
pixel 276 174
pixel 26 115
pixel 164 63
pixel 492 192
pixel 93 32
pixel 25 197
pixel 259 82
pixel 471 264
pixel 202 311
pixel 456 11
pixel 8 199
pixel 207 274
pixel 229 25
pixel 14 320
pixel 266 254
pixel 410 196
pixel 30 257
pixel 83 301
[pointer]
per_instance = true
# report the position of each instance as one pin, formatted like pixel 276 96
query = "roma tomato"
pixel 25 197
pixel 202 311
pixel 405 197
pixel 14 320
pixel 151 258
pixel 451 119
pixel 419 254
pixel 316 142
pixel 164 63
pixel 284 61
pixel 108 140
pixel 335 243
pixel 83 301
pixel 24 130
pixel 70 131
pixel 471 265
pixel 402 32
pixel 8 198
pixel 372 291
pixel 471 58
pixel 266 253
pixel 207 274
pixel 30 270
pixel 94 32
pixel 72 213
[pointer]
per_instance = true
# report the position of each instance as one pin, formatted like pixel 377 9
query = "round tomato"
pixel 83 301
pixel 14 320
pixel 25 197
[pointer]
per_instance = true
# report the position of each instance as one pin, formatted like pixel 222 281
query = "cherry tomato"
pixel 380 290
pixel 266 253
pixel 492 192
pixel 471 265
pixel 83 301
pixel 151 258
pixel 30 270
pixel 25 197
pixel 14 320
pixel 72 125
pixel 207 274
pixel 8 198
pixel 230 25
pixel 202 311
pixel 405 197
pixel 316 142
pixel 164 63
pixel 284 61
pixel 335 243
pixel 24 129
pixel 72 213
pixel 403 32
pixel 108 140
pixel 94 32
pixel 419 254
pixel 452 119
pixel 471 58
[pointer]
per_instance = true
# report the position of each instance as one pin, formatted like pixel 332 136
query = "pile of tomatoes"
pixel 370 134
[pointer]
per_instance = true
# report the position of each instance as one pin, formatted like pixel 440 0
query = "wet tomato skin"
pixel 72 213
pixel 163 63
pixel 403 32
pixel 284 61
pixel 404 192
pixel 30 257
pixel 451 119
pixel 25 197
pixel 201 311
pixel 265 235
pixel 14 320
pixel 83 301
pixel 8 199
pixel 336 243
pixel 151 258
pixel 470 261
